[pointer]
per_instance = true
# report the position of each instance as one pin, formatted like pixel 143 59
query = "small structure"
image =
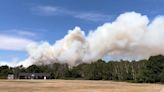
pixel 10 76
pixel 34 76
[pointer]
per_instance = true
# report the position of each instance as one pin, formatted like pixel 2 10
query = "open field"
pixel 75 86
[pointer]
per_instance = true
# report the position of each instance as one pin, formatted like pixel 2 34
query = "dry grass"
pixel 75 86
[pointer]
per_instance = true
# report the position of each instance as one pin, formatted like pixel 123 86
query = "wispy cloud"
pixel 18 32
pixel 14 43
pixel 45 10
pixel 54 11
pixel 93 16
pixel 25 33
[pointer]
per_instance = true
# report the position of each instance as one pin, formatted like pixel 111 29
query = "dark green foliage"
pixel 58 71
pixel 74 72
pixel 4 71
pixel 93 71
pixel 150 71
pixel 162 76
pixel 34 69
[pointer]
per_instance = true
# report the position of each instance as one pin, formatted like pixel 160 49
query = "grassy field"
pixel 75 86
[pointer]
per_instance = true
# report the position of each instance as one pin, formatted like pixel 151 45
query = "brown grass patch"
pixel 75 86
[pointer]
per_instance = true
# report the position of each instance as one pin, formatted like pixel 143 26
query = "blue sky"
pixel 26 21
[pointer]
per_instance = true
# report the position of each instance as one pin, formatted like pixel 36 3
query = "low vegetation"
pixel 148 71
pixel 75 86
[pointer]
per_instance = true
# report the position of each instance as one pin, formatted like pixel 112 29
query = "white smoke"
pixel 130 36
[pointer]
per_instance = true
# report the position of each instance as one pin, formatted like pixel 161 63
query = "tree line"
pixel 149 71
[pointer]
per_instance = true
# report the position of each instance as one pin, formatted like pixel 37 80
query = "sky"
pixel 26 21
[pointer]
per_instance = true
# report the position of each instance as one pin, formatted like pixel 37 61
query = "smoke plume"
pixel 131 36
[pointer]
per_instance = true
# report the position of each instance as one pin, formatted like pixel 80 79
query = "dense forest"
pixel 149 71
